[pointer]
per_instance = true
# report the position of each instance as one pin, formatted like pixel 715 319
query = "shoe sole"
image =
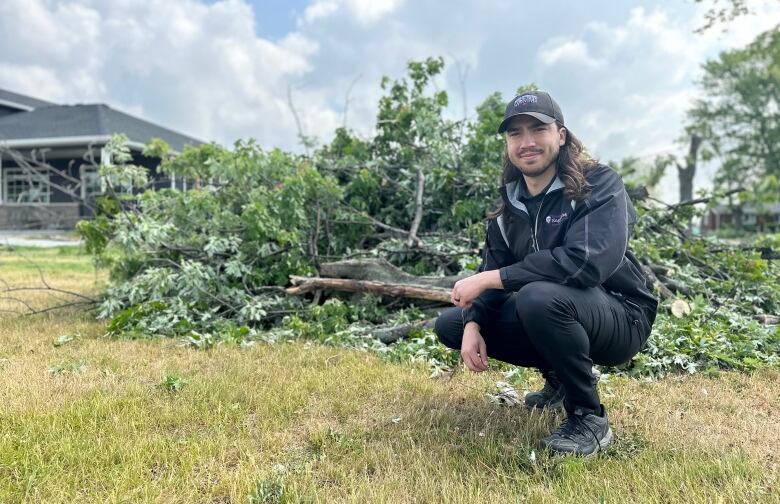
pixel 605 441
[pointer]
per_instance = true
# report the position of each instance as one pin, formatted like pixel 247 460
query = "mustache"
pixel 530 151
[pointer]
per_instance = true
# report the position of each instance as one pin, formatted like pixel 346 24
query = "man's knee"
pixel 449 327
pixel 537 300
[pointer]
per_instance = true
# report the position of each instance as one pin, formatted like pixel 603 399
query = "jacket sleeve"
pixel 594 245
pixel 496 254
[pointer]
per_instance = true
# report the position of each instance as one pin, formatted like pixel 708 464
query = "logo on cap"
pixel 525 99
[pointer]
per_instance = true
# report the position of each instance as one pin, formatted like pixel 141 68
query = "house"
pixel 766 219
pixel 64 137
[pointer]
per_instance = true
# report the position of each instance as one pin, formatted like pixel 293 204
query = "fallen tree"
pixel 274 245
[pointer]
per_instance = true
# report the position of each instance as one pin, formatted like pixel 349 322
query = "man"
pixel 557 289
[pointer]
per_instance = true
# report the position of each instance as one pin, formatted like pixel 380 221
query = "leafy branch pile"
pixel 731 295
pixel 211 264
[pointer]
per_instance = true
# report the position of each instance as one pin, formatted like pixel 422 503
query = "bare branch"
pixel 51 289
pixel 38 171
pixel 347 99
pixel 60 307
pixel 380 224
pixel 418 203
pixel 301 134
pixel 463 72
pixel 383 271
pixel 705 199
pixel 17 300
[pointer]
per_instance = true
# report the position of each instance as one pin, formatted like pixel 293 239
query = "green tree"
pixel 415 146
pixel 722 12
pixel 739 115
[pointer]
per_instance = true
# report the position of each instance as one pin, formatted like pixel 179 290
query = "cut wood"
pixel 302 285
pixel 768 319
pixel 680 308
pixel 381 270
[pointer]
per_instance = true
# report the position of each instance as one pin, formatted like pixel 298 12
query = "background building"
pixel 69 139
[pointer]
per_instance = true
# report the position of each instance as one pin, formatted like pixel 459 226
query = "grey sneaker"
pixel 551 396
pixel 583 432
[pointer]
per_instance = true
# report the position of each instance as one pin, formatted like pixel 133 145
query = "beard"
pixel 537 171
pixel 540 168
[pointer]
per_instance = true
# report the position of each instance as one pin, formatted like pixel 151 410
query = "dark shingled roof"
pixel 25 101
pixel 95 120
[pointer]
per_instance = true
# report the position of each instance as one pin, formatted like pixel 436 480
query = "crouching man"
pixel 557 289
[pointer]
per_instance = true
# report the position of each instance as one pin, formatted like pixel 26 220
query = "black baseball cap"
pixel 538 104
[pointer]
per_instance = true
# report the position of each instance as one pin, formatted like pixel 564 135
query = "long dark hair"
pixel 573 163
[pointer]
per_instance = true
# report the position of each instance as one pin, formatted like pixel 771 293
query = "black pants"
pixel 554 327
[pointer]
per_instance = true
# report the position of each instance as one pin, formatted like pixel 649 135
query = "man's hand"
pixel 473 349
pixel 467 290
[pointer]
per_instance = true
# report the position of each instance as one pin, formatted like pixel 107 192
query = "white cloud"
pixel 568 51
pixel 633 102
pixel 623 74
pixel 369 11
pixel 319 9
pixel 197 68
pixel 365 12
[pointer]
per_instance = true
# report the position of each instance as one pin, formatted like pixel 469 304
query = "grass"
pixel 90 419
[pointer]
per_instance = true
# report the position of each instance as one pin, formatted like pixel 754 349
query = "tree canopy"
pixel 739 114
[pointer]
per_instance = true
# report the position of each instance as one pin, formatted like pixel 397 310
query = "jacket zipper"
pixel 535 241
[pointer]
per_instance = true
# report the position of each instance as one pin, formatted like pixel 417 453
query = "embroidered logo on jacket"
pixel 556 219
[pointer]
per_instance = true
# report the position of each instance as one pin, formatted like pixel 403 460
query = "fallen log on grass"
pixel 381 270
pixel 303 285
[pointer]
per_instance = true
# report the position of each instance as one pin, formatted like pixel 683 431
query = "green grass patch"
pixel 87 418
pixel 52 261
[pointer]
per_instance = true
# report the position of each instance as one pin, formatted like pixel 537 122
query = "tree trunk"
pixel 686 173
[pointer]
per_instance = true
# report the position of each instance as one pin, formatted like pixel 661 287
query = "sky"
pixel 623 71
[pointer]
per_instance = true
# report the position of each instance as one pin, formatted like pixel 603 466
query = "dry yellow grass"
pixel 318 424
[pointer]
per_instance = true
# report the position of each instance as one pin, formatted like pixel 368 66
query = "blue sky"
pixel 276 18
pixel 624 71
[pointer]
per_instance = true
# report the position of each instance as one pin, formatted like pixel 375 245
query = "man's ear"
pixel 562 136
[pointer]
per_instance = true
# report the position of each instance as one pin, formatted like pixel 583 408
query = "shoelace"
pixel 573 424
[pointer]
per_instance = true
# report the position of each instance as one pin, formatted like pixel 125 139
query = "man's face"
pixel 533 145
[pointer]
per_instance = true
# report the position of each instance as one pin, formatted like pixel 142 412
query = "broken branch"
pixel 302 285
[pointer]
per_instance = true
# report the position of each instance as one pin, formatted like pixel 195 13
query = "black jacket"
pixel 581 244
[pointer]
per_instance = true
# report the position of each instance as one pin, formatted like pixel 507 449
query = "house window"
pixel 21 185
pixel 119 188
pixel 91 185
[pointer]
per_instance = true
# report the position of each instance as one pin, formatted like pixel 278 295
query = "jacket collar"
pixel 509 193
